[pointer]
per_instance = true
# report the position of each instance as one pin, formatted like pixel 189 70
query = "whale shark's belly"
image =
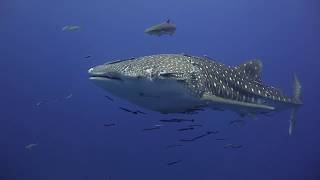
pixel 163 96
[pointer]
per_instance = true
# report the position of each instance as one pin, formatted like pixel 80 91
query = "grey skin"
pixel 166 27
pixel 174 83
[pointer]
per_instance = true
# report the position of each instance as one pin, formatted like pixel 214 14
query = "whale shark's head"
pixel 157 83
pixel 117 77
pixel 113 72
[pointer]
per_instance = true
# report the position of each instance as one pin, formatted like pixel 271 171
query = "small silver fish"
pixel 30 146
pixel 69 96
pixel 70 28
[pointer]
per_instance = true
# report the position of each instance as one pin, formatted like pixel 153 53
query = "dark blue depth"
pixel 87 137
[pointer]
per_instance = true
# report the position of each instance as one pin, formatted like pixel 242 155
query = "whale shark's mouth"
pixel 98 73
pixel 103 76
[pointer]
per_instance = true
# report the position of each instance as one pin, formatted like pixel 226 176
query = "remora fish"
pixel 183 82
pixel 30 146
pixel 166 27
pixel 174 162
pixel 70 28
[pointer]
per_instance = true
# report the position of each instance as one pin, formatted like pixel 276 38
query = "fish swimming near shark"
pixel 182 82
pixel 70 28
pixel 30 146
pixel 166 27
pixel 174 162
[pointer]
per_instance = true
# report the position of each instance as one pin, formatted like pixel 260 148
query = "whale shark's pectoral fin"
pixel 235 104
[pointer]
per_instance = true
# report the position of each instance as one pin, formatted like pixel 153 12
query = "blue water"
pixel 40 62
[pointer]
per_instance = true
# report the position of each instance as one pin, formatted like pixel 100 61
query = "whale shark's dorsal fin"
pixel 252 69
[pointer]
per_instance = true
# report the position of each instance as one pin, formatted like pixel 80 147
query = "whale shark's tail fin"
pixel 297 101
pixel 296 90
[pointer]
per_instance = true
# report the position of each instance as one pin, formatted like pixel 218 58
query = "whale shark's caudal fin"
pixel 297 101
pixel 296 90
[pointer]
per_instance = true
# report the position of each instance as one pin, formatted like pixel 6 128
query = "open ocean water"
pixel 56 125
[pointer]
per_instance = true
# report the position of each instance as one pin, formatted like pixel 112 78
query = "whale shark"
pixel 177 83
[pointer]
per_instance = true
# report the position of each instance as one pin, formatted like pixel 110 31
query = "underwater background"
pixel 48 101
